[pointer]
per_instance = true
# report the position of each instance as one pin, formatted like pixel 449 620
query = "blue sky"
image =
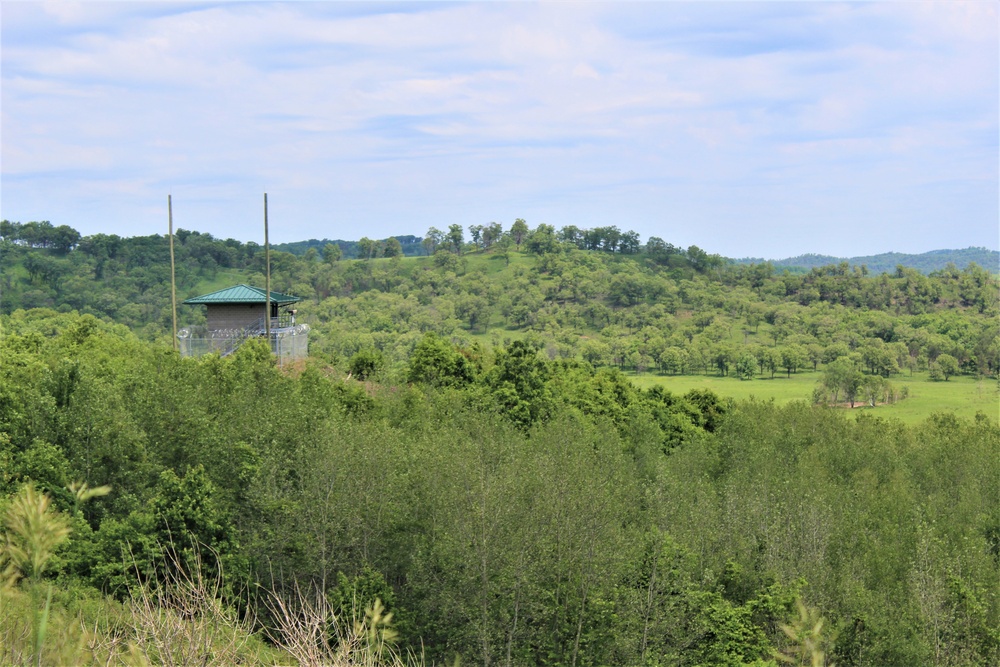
pixel 749 129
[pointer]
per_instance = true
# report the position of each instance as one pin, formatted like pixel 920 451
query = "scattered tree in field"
pixel 491 234
pixel 455 239
pixel 793 357
pixel 843 381
pixel 367 248
pixel 432 239
pixel 391 247
pixel 746 367
pixel 542 240
pixel 947 365
pixel 476 235
pixel 518 232
pixel 876 389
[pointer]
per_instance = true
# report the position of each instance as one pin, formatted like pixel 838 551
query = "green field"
pixel 962 396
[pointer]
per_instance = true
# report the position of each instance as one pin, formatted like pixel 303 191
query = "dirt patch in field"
pixel 859 404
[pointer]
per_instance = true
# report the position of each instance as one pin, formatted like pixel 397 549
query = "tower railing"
pixel 288 340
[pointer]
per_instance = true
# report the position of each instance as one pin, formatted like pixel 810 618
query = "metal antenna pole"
pixel 173 276
pixel 267 280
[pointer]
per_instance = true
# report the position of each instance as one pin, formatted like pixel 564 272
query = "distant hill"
pixel 927 262
pixel 410 244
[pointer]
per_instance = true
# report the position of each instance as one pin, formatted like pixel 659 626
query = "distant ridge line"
pixel 927 262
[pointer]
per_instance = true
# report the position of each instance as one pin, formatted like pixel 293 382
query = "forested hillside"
pixel 597 295
pixel 466 446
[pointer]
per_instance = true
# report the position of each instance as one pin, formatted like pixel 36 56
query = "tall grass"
pixel 33 531
pixel 178 619
pixel 309 630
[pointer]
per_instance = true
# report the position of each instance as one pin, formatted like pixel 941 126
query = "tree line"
pixel 935 260
pixel 42 234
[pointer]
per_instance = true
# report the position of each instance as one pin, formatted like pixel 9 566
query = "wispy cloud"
pixel 748 129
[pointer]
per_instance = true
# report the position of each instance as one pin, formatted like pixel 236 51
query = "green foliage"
pixel 521 500
pixel 435 362
pixel 518 384
pixel 746 367
pixel 542 240
pixel 712 410
pixel 947 365
pixel 597 279
pixel 843 381
pixel 446 260
pixel 392 248
pixel 331 253
pixel 366 363
pixel 183 524
pixel 518 232
pixel 353 595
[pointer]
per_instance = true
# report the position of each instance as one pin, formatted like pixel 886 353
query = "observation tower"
pixel 237 314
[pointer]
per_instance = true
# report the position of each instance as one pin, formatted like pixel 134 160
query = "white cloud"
pixel 641 115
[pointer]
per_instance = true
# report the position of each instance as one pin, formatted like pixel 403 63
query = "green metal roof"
pixel 242 294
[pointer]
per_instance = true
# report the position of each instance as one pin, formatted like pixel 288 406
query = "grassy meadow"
pixel 963 396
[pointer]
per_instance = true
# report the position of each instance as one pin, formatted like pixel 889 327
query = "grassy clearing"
pixel 491 263
pixel 962 396
pixel 488 263
pixel 223 278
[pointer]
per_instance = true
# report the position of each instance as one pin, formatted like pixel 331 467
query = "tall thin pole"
pixel 267 280
pixel 173 276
